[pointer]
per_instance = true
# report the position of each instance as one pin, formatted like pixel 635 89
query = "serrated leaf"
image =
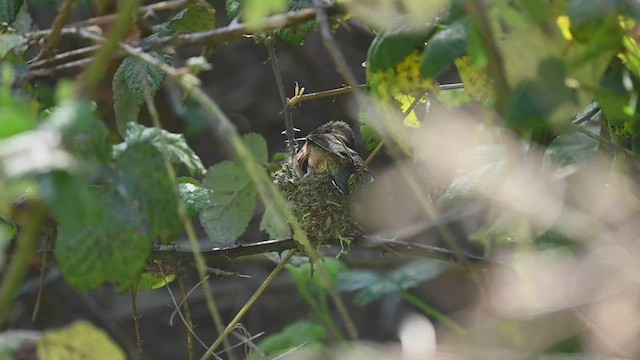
pixel 9 10
pixel 444 47
pixel 233 202
pixel 80 341
pixel 125 103
pixel 197 17
pixel 133 81
pixel 144 179
pixel 300 332
pixel 295 35
pixel 274 223
pixel 175 145
pixel 142 78
pixel 101 239
pixel 195 198
pixel 258 147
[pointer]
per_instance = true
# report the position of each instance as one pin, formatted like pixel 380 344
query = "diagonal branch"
pixel 56 29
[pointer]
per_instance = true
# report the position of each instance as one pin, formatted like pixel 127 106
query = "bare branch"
pixel 56 29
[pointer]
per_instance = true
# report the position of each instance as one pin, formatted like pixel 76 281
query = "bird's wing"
pixel 330 143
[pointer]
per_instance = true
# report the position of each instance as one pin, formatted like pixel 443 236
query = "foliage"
pixel 531 71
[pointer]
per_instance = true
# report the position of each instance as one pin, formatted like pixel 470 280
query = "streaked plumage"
pixel 329 149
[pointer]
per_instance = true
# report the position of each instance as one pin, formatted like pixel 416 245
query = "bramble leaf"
pixel 175 145
pixel 9 10
pixel 233 202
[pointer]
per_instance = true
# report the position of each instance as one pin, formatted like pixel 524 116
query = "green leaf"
pixel 101 239
pixel 256 10
pixel 300 332
pixel 142 78
pixel 315 285
pixel 369 135
pixel 404 278
pixel 11 43
pixel 153 281
pixel 133 81
pixel 143 178
pixel 233 202
pixel 125 103
pixel 80 341
pixel 175 145
pixel 84 135
pixel 17 113
pixel 444 47
pixel 9 10
pixel 258 147
pixel 197 17
pixel 295 35
pixel 389 49
pixel 356 279
pixel 195 198
pixel 274 223
pixel 233 8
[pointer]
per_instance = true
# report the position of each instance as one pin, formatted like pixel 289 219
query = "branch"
pixel 56 29
pixel 291 143
pixel 107 19
pixel 347 89
pixel 236 30
pixel 173 255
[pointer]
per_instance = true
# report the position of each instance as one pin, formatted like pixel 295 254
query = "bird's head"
pixel 339 128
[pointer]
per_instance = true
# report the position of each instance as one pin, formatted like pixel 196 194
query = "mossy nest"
pixel 324 213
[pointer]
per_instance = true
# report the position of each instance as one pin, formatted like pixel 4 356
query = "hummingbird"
pixel 329 149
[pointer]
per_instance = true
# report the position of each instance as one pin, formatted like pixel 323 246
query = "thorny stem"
pixel 232 324
pixel 136 319
pixel 283 97
pixel 187 314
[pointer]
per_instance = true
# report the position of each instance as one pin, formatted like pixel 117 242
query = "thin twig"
pixel 291 145
pixel 184 298
pixel 177 308
pixel 136 319
pixel 58 23
pixel 63 56
pixel 329 43
pixel 187 317
pixel 232 324
pixel 347 89
pixel 604 141
pixel 237 30
pixel 586 117
pixel 107 19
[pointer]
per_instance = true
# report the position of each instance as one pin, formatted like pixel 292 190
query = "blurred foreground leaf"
pixel 80 341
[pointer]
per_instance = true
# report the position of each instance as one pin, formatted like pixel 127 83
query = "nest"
pixel 322 211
